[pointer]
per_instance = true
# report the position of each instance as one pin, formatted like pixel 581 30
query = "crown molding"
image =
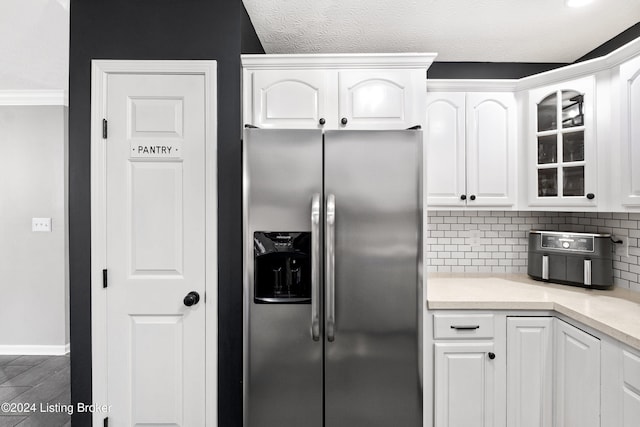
pixel 338 60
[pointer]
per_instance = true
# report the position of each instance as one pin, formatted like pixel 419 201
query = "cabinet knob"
pixel 463 197
pixel 473 197
pixel 591 196
pixel 492 355
pixel 322 121
pixel 344 121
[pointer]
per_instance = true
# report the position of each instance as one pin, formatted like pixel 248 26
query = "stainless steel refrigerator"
pixel 332 278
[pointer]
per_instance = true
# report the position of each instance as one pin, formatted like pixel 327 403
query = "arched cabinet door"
pixel 491 149
pixel 445 144
pixel 380 99
pixel 289 99
pixel 630 132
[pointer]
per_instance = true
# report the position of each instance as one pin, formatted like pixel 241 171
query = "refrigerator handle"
pixel 330 266
pixel 315 266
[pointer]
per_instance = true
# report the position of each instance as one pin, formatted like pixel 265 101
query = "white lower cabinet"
pixel 529 372
pixel 630 388
pixel 464 384
pixel 577 377
pixel 469 370
pixel 552 372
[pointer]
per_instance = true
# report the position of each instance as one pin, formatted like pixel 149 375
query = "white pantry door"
pixel 155 249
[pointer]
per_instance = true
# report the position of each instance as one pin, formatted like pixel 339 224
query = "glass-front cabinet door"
pixel 563 148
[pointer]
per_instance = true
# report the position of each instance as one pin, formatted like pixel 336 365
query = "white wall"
pixel 34 44
pixel 33 266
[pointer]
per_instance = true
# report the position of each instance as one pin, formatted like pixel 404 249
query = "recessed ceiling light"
pixel 577 3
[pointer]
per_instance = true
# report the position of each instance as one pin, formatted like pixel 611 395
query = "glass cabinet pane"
pixel 547 149
pixel 547 113
pixel 572 109
pixel 547 182
pixel 573 181
pixel 573 147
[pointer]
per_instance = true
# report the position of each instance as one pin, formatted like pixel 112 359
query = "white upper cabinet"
pixel 380 99
pixel 335 91
pixel 471 141
pixel 491 149
pixel 445 143
pixel 291 99
pixel 630 131
pixel 562 145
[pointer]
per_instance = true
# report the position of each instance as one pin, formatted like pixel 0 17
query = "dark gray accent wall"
pixel 620 40
pixel 250 41
pixel 158 29
pixel 488 70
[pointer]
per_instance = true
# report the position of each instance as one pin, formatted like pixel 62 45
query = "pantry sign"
pixel 172 150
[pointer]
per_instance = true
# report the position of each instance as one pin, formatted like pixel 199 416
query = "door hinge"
pixel 104 128
pixel 105 422
pixel 104 278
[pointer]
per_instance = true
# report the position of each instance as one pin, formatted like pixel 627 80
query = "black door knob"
pixel 473 197
pixel 492 355
pixel 344 121
pixel 463 197
pixel 322 121
pixel 192 298
pixel 591 196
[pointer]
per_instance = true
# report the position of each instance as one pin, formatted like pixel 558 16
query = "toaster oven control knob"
pixel 473 197
pixel 591 196
pixel 322 121
pixel 565 245
pixel 492 355
pixel 344 121
pixel 463 197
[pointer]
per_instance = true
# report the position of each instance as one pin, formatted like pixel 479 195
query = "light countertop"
pixel 614 312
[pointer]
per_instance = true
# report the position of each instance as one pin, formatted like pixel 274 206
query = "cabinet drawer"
pixel 631 369
pixel 456 326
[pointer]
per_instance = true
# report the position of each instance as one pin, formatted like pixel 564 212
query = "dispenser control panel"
pixel 567 242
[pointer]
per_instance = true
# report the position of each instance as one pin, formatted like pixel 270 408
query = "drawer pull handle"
pixel 465 327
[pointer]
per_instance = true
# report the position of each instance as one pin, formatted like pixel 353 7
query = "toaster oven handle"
pixel 587 272
pixel 545 267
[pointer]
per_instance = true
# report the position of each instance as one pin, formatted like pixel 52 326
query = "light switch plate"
pixel 41 224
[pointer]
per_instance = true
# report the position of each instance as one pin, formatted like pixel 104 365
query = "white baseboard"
pixel 33 97
pixel 42 350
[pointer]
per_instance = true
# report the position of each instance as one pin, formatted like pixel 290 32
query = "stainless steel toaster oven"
pixel 578 259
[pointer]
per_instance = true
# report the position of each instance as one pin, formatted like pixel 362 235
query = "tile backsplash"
pixel 496 241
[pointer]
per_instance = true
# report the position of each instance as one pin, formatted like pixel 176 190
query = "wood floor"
pixel 39 380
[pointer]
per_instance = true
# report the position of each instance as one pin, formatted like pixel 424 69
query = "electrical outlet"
pixel 622 249
pixel 41 224
pixel 474 237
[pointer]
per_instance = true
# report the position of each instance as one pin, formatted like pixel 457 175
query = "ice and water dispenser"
pixel 282 263
pixel 579 259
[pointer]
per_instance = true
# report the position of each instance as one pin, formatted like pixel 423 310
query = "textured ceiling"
pixel 458 30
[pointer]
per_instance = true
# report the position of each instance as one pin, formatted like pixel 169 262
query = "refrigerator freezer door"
pixel 371 366
pixel 283 362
